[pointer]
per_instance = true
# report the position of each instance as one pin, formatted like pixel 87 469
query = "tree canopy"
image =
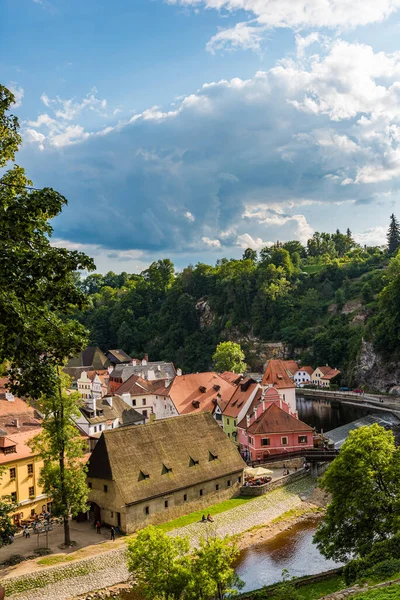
pixel 364 484
pixel 393 235
pixel 229 356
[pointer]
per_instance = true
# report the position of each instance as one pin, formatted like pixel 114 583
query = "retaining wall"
pixel 260 490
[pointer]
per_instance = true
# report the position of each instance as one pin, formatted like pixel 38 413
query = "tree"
pixel 229 356
pixel 6 527
pixel 393 235
pixel 213 574
pixel 160 564
pixel 61 447
pixel 38 292
pixel 164 570
pixel 364 484
pixel 250 254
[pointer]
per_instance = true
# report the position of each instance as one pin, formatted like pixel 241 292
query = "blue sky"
pixel 196 128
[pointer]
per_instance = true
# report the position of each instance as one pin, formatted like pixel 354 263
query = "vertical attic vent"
pixel 193 462
pixel 212 456
pixel 143 476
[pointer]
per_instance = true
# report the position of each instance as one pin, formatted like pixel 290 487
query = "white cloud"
pixel 18 92
pixel 211 243
pixel 246 241
pixel 31 135
pixel 295 14
pixel 188 215
pixel 374 236
pixel 70 108
pixel 71 135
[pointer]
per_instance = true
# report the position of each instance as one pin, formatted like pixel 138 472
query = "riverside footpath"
pixel 79 577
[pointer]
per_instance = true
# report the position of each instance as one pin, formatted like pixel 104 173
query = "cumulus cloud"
pixel 295 14
pixel 246 241
pixel 18 92
pixel 237 158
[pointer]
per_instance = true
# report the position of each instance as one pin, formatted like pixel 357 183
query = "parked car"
pixel 345 389
pixel 358 391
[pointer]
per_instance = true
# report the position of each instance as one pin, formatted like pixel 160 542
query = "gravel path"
pixel 260 511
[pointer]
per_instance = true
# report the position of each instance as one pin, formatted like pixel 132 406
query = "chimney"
pixel 167 383
pixel 126 397
pixel 263 405
pixel 179 372
pixel 16 422
pixel 9 397
pixel 146 357
pixel 144 362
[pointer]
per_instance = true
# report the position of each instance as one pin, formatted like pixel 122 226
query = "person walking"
pixel 98 527
pixel 112 534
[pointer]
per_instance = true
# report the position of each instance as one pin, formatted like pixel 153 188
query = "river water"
pixel 292 549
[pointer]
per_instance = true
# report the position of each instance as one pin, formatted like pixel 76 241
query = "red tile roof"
pixel 243 392
pixel 290 365
pixel 196 393
pixel 330 374
pixel 231 377
pixel 22 449
pixel 137 386
pixel 276 375
pixel 308 370
pixel 276 420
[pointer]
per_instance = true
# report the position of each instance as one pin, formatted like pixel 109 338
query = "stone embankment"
pixel 357 589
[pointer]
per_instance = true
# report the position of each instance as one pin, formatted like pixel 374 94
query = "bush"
pixel 387 551
pixel 383 570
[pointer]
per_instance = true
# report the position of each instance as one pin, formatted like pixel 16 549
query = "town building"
pixel 119 357
pixel 199 392
pixel 91 359
pixel 150 398
pixel 245 392
pixel 19 423
pixel 303 376
pixel 270 428
pixel 323 376
pixel 149 371
pixel 276 375
pixel 109 412
pixel 162 470
pixel 291 367
pixel 92 384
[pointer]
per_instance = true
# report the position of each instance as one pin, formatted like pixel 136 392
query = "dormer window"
pixel 166 469
pixel 196 404
pixel 143 476
pixel 216 387
pixel 193 462
pixel 212 456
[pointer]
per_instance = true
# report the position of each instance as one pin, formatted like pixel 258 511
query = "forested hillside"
pixel 320 300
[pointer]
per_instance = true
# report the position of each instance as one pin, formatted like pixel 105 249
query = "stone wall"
pixel 260 490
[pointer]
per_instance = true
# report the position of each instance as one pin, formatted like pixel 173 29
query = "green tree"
pixel 229 356
pixel 6 527
pixel 393 235
pixel 61 447
pixel 214 577
pixel 9 136
pixel 250 254
pixel 364 484
pixel 160 564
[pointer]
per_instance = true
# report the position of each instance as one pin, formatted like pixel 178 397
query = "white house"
pixel 303 376
pixel 150 398
pixel 92 384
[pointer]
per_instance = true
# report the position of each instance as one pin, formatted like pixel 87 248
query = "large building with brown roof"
pixel 278 376
pixel 153 473
pixel 19 423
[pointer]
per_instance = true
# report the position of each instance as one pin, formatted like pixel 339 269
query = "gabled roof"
pixel 137 386
pixel 199 392
pixel 231 377
pixel 118 356
pixel 331 374
pixel 290 365
pixel 92 357
pixel 119 410
pixel 308 370
pixel 243 392
pixel 16 410
pixel 276 375
pixel 276 420
pixel 22 449
pixel 193 446
pixel 324 369
pixel 151 371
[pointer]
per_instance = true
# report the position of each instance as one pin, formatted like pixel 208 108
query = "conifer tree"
pixel 393 235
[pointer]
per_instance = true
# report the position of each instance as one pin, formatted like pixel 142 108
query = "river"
pixel 319 413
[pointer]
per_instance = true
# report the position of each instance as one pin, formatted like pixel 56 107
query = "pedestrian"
pixel 112 534
pixel 98 527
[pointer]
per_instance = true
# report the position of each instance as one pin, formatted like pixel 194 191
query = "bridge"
pixel 315 457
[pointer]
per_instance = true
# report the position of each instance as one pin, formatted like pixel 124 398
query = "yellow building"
pixel 19 478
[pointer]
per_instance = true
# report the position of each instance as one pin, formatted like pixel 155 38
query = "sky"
pixel 193 129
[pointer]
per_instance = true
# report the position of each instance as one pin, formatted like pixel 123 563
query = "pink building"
pixel 269 428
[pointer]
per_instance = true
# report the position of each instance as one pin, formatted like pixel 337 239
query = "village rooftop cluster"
pixel 158 440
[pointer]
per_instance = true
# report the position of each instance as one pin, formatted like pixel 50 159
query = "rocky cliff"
pixel 378 374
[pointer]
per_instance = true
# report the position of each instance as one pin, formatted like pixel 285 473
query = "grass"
pixel 193 517
pixel 55 560
pixel 322 588
pixel 311 269
pixel 388 593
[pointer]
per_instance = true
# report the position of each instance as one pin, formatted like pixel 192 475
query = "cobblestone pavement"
pixel 259 511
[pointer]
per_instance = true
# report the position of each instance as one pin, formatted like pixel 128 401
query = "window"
pixel 265 441
pixel 166 469
pixel 216 487
pixel 239 480
pixel 302 439
pixel 12 473
pixel 144 413
pixel 227 421
pixel 228 483
pixel 133 402
pixel 144 402
pixel 193 462
pixel 284 441
pixel 14 498
pixel 105 488
pixel 112 514
pixel 165 503
pixel 95 429
pixel 31 491
pixel 147 510
pixel 30 469
pixel 234 422
pixel 251 441
pixel 212 456
pixel 143 476
pixel 229 435
pixel 100 427
pixel 283 397
pixel 32 512
pixel 218 417
pixel 185 497
pixel 200 492
pixel 90 485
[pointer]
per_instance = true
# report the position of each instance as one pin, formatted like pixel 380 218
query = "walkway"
pixel 255 513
